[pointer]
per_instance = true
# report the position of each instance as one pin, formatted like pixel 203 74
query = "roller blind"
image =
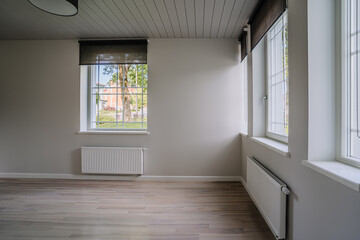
pixel 105 52
pixel 264 16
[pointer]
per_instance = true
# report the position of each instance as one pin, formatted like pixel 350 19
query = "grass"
pixel 107 112
pixel 109 116
pixel 120 125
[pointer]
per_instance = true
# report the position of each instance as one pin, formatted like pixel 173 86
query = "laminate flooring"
pixel 129 210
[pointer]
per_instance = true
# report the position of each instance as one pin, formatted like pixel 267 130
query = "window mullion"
pixel 349 94
pixel 284 83
pixel 348 81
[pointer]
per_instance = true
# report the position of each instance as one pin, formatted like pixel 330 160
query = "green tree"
pixel 127 76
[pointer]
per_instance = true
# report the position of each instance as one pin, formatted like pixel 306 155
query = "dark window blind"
pixel 243 43
pixel 264 16
pixel 103 52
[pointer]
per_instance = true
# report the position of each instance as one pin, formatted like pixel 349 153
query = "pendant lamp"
pixel 57 7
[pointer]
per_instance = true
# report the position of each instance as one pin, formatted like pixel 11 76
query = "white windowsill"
pixel 338 171
pixel 279 147
pixel 243 134
pixel 113 132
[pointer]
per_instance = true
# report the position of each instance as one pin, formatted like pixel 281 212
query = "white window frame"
pixel 343 150
pixel 268 133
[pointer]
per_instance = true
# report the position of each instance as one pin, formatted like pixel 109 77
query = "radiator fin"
pixel 112 160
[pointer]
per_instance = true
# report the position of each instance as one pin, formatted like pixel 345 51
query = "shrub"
pixel 108 108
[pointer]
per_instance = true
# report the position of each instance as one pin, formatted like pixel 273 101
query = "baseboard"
pixel 242 180
pixel 124 178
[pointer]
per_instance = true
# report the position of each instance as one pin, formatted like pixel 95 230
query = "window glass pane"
pixel 272 109
pixel 93 106
pixel 105 114
pixel 279 53
pixel 352 94
pixel 136 110
pixel 353 13
pixel 118 96
pixel 244 96
pixel 104 90
pixel 278 81
pixel 355 145
pixel 272 62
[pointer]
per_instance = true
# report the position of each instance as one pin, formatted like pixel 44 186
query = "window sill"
pixel 338 171
pixel 243 134
pixel 113 133
pixel 274 145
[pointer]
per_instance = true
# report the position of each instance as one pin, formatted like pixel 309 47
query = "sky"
pixel 104 79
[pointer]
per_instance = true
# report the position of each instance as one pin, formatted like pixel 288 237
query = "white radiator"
pixel 112 160
pixel 269 195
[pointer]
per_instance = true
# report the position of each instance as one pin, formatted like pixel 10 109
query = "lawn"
pixel 120 125
pixel 110 116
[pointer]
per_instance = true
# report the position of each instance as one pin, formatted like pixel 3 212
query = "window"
pixel 244 97
pixel 277 125
pixel 114 85
pixel 117 96
pixel 350 93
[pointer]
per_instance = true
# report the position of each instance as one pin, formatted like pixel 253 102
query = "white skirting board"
pixel 123 178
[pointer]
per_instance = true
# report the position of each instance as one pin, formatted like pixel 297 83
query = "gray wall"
pixel 319 208
pixel 193 108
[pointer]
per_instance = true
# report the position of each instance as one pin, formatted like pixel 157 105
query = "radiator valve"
pixel 285 190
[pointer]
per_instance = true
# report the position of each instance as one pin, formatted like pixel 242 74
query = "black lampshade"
pixel 57 7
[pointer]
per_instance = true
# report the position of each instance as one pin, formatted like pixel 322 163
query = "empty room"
pixel 180 119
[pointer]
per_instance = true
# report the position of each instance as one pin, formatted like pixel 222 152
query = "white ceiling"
pixel 128 19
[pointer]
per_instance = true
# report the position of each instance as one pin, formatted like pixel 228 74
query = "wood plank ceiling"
pixel 128 19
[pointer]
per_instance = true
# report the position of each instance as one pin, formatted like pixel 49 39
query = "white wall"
pixel 193 108
pixel 319 208
pixel 321 79
pixel 259 73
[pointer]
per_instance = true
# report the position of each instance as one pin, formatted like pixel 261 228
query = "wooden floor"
pixel 78 209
